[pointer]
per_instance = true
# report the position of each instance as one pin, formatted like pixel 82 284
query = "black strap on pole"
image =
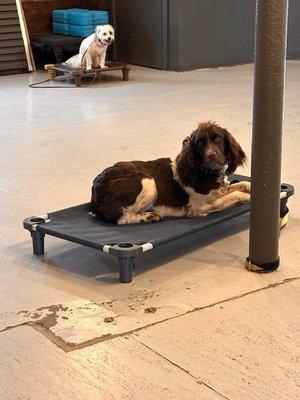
pixel 270 56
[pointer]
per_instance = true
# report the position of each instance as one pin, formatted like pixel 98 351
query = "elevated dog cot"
pixel 126 242
pixel 77 73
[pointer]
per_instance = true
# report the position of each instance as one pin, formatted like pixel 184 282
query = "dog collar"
pixel 100 41
pixel 215 171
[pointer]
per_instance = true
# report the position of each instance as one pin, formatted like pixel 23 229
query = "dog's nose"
pixel 211 155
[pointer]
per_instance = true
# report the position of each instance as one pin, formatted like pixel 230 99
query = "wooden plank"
pixel 4 66
pixel 25 36
pixel 12 50
pixel 33 368
pixel 246 348
pixel 11 43
pixel 13 57
pixel 11 72
pixel 10 29
pixel 9 21
pixel 8 7
pixel 110 67
pixel 11 35
pixel 8 2
pixel 8 14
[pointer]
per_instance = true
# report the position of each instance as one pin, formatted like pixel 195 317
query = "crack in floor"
pixel 68 346
pixel 8 328
pixel 200 382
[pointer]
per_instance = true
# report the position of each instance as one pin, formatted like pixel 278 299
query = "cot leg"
pixel 50 71
pixel 125 72
pixel 77 74
pixel 37 243
pixel 51 74
pixel 125 269
pixel 77 80
pixel 283 207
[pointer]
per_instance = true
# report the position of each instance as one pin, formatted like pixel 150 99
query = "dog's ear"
pixel 112 28
pixel 234 154
pixel 185 141
pixel 98 30
pixel 185 162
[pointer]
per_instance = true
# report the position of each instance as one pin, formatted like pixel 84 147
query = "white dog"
pixel 104 36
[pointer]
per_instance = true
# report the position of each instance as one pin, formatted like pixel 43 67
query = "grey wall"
pixel 209 33
pixel 294 30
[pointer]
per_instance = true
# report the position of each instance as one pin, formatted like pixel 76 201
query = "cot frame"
pixel 126 252
pixel 78 73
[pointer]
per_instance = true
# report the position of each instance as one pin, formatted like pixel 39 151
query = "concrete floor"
pixel 219 332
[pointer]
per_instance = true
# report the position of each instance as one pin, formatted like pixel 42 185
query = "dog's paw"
pixel 245 187
pixel 243 198
pixel 92 214
pixel 242 186
pixel 199 212
pixel 153 217
pixel 103 66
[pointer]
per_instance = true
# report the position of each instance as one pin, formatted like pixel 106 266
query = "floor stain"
pixel 25 312
pixel 50 319
pixel 150 310
pixel 109 319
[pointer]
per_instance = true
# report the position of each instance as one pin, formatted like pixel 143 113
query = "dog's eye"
pixel 110 32
pixel 104 34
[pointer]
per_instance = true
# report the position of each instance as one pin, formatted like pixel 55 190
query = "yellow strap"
pixel 284 220
pixel 253 267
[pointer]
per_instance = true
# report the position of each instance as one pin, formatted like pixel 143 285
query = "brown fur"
pixel 191 167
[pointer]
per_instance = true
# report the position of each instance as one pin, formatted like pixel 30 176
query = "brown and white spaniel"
pixel 192 184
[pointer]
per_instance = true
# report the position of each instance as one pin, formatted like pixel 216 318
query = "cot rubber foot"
pixel 262 268
pixel 126 265
pixel 38 243
pixel 125 72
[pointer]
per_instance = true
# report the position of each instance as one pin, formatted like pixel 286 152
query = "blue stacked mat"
pixel 78 21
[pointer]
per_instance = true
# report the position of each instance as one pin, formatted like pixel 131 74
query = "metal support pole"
pixel 270 55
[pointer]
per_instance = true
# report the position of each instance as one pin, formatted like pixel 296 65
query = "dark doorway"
pixel 141 32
